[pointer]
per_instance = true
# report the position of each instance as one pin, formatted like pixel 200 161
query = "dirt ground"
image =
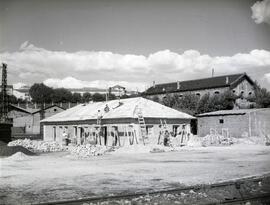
pixel 57 176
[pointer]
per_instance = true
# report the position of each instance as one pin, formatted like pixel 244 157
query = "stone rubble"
pixel 38 146
pixel 88 150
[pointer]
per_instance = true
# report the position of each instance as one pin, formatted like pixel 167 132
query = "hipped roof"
pixel 125 108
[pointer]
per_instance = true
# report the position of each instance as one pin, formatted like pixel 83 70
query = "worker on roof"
pixel 106 109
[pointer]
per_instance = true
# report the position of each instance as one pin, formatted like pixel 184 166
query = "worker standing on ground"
pixel 98 135
pixel 65 138
pixel 115 135
pixel 160 136
pixel 166 141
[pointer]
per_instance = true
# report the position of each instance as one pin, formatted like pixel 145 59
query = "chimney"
pixel 154 84
pixel 178 85
pixel 227 80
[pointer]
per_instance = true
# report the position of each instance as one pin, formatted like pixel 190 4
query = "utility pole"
pixel 4 96
pixel 213 72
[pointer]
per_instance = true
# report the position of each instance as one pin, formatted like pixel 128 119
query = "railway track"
pixel 239 194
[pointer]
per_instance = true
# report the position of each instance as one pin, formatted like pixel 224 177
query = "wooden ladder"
pixel 141 123
pixel 99 121
pixel 163 124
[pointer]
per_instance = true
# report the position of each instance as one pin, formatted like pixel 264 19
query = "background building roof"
pixel 231 112
pixel 199 84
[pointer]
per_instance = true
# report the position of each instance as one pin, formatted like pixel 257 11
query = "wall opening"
pixel 54 133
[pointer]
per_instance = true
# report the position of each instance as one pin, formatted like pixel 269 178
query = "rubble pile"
pixel 140 148
pixel 18 156
pixel 216 140
pixel 251 141
pixel 194 141
pixel 88 150
pixel 38 146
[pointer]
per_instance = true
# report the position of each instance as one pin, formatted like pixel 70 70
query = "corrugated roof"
pixel 190 85
pixel 231 112
pixel 126 109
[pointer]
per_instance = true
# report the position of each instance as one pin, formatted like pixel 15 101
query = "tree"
pixel 262 97
pixel 86 97
pixel 111 96
pixel 61 95
pixel 169 100
pixel 203 104
pixel 124 96
pixel 155 99
pixel 41 93
pixel 12 99
pixel 227 100
pixel 76 97
pixel 97 97
pixel 186 103
pixel 224 101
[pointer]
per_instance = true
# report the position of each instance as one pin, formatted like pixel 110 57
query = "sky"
pixel 100 43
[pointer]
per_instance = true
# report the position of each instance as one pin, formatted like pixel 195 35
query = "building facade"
pixel 235 123
pixel 239 84
pixel 27 121
pixel 117 90
pixel 80 123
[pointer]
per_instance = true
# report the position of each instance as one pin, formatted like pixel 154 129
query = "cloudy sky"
pixel 66 43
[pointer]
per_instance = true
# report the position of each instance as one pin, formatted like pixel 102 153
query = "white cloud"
pixel 267 77
pixel 70 82
pixel 91 68
pixel 261 11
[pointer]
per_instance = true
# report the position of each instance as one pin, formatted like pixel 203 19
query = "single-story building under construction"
pixel 136 120
pixel 235 123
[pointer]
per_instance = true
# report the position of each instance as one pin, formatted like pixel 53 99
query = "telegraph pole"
pixel 5 123
pixel 4 96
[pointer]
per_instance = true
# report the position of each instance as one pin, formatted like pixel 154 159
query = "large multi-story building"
pixel 117 90
pixel 239 84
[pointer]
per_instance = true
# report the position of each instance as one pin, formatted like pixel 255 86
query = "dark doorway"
pixel 193 126
pixel 105 134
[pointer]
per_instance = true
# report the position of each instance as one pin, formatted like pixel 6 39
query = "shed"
pixel 81 121
pixel 26 121
pixel 235 123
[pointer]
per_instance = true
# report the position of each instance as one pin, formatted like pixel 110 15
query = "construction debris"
pixel 216 140
pixel 219 140
pixel 18 156
pixel 38 146
pixel 139 149
pixel 84 151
